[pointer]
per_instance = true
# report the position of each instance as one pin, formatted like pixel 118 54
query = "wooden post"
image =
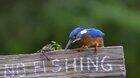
pixel 108 63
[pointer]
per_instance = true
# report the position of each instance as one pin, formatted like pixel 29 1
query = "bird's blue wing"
pixel 95 32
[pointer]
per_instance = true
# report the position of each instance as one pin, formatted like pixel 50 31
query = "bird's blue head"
pixel 74 36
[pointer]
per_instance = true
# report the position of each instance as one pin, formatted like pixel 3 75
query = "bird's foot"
pixel 95 50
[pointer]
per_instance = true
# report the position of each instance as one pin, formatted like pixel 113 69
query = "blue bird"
pixel 88 37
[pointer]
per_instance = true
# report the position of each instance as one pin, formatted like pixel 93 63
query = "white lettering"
pixel 36 66
pixel 44 68
pixel 77 64
pixel 81 63
pixel 56 65
pixel 74 65
pixel 106 67
pixel 9 68
pixel 21 67
pixel 66 65
pixel 89 61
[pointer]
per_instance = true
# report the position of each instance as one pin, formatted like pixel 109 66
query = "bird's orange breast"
pixel 88 40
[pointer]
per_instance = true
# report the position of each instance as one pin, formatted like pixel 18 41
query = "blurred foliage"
pixel 26 25
pixel 54 46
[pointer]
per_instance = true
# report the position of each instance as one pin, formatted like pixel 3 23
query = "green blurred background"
pixel 28 25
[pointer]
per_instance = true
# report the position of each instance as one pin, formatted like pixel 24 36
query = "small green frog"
pixel 50 47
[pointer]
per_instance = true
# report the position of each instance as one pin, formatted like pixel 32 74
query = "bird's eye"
pixel 74 36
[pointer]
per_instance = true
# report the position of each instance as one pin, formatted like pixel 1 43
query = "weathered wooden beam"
pixel 108 63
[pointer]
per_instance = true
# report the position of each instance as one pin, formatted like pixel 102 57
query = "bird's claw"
pixel 82 48
pixel 95 51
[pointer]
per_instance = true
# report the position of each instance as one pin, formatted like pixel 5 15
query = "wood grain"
pixel 108 63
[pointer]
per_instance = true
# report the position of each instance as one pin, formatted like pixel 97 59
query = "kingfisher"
pixel 87 36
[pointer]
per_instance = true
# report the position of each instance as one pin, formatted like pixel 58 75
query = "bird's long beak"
pixel 76 40
pixel 68 44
